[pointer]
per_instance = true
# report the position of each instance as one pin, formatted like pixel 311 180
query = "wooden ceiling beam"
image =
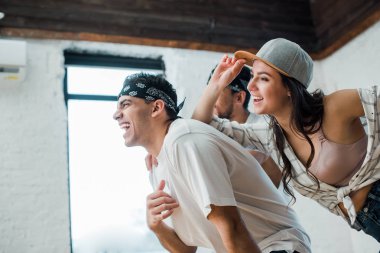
pixel 53 35
pixel 319 26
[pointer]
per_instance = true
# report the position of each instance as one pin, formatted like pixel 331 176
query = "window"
pixel 108 182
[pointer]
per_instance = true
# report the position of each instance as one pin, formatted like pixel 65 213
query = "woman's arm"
pixel 345 104
pixel 269 166
pixel 223 75
pixel 341 120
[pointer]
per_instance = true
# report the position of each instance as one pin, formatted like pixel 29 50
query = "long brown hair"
pixel 306 118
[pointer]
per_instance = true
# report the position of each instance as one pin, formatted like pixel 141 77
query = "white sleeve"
pixel 201 163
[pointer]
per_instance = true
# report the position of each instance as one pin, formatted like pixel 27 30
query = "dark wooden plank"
pixel 341 17
pixel 174 11
pixel 100 19
pixel 339 12
pixel 220 34
pixel 43 34
pixel 315 25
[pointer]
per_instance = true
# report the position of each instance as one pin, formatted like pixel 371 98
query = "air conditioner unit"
pixel 12 60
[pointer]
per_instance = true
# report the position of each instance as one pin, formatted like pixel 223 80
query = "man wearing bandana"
pixel 214 191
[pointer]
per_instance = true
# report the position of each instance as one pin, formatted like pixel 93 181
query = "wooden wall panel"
pixel 316 25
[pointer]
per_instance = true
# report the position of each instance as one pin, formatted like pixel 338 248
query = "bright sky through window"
pixel 108 182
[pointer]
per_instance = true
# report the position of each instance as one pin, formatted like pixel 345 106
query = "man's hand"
pixel 159 206
pixel 150 162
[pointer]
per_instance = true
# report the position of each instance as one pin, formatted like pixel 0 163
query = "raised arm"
pixel 235 236
pixel 160 206
pixel 226 71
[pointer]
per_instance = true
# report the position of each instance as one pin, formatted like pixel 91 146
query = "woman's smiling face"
pixel 269 94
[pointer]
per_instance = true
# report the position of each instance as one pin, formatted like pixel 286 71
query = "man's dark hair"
pixel 240 83
pixel 158 82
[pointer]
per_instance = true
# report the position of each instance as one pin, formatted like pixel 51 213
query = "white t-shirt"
pixel 202 166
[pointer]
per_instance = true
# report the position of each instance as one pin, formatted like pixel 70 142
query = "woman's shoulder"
pixel 342 110
pixel 342 94
pixel 344 104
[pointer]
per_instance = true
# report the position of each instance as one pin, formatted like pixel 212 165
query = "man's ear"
pixel 158 106
pixel 240 97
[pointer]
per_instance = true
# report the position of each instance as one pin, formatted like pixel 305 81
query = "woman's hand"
pixel 223 75
pixel 226 71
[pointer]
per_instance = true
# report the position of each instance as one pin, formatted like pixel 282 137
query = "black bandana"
pixel 238 85
pixel 141 90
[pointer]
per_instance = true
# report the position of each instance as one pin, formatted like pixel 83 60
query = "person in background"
pixel 319 141
pixel 233 101
pixel 215 192
pixel 232 104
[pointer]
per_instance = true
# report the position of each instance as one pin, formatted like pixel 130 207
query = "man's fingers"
pixel 161 185
pixel 162 216
pixel 160 205
pixel 160 201
pixel 167 214
pixel 162 208
pixel 156 195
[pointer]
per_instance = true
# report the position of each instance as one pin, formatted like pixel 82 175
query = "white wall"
pixel 34 204
pixel 355 65
pixel 33 157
